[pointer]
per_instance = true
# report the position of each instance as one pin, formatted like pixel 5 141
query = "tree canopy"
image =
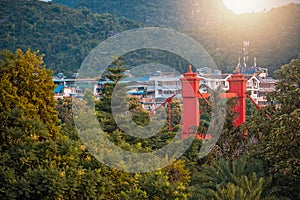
pixel 273 35
pixel 64 35
pixel 43 158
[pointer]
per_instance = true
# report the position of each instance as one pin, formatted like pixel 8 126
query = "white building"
pixel 259 84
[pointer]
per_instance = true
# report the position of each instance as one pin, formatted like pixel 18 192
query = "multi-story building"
pixel 259 84
pixel 154 89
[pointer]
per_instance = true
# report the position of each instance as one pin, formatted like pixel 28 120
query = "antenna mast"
pixel 245 49
pixel 239 62
pixel 246 57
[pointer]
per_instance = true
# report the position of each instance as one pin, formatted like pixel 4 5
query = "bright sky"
pixel 242 6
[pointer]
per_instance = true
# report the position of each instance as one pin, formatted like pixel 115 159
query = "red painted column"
pixel 189 88
pixel 238 84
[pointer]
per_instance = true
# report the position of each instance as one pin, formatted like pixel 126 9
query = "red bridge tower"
pixel 238 84
pixel 190 84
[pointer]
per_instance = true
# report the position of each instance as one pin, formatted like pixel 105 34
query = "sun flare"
pixel 242 6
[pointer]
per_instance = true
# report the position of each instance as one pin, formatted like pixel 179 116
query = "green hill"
pixel 274 35
pixel 167 13
pixel 64 35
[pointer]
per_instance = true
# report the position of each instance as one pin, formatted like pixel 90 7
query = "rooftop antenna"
pixel 239 62
pixel 254 62
pixel 245 49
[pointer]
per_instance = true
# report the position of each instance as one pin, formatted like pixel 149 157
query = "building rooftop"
pixel 267 80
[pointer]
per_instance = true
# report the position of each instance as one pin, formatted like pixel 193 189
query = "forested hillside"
pixel 274 35
pixel 168 13
pixel 64 35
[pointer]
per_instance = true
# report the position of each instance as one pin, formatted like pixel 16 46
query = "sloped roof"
pixel 135 79
pixel 267 80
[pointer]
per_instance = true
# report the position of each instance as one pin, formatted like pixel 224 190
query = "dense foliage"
pixel 176 13
pixel 65 35
pixel 273 35
pixel 280 137
pixel 43 158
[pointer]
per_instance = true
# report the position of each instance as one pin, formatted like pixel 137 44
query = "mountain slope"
pixel 274 38
pixel 65 35
pixel 167 13
pixel 274 35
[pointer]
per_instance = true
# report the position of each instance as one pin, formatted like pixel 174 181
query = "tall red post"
pixel 190 84
pixel 238 84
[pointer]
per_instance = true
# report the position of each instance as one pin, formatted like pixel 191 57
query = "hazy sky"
pixel 241 6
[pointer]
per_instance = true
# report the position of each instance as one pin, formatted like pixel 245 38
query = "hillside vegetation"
pixel 67 35
pixel 274 35
pixel 43 155
pixel 168 13
pixel 64 35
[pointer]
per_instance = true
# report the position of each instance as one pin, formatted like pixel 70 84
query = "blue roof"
pixel 58 88
pixel 104 82
pixel 136 92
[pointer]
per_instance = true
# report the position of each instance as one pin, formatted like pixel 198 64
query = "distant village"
pixel 154 89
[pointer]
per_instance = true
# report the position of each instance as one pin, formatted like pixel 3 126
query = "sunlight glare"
pixel 244 6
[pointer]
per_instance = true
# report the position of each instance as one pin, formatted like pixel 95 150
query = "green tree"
pixel 37 160
pixel 89 97
pixel 280 137
pixel 103 105
pixel 64 109
pixel 114 75
pixel 28 124
pixel 232 141
pixel 287 92
pixel 27 85
pixel 168 183
pixel 245 188
pixel 282 144
pixel 237 179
